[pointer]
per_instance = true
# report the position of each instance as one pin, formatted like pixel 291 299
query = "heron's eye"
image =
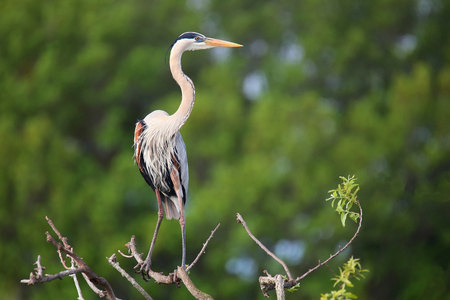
pixel 197 38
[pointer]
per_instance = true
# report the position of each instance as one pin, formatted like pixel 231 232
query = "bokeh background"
pixel 321 89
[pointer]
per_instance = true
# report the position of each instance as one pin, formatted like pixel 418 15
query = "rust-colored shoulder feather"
pixel 137 142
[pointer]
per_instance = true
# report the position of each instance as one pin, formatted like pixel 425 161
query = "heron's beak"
pixel 220 43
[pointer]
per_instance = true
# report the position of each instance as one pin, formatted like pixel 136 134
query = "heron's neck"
pixel 187 89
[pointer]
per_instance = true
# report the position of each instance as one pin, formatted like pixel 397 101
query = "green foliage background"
pixel 321 89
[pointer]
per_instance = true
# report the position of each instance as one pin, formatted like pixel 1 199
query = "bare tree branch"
pixel 35 278
pixel 286 269
pixel 266 283
pixel 99 292
pixel 75 280
pixel 203 249
pixel 279 287
pixel 60 237
pixel 158 277
pixel 82 267
pixel 279 283
pixel 74 276
pixel 94 278
pixel 182 274
pixel 113 262
pixel 270 282
pixel 179 275
pixel 340 249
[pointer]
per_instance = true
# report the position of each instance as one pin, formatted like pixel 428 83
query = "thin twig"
pixel 39 268
pixel 50 277
pixel 286 269
pixel 99 292
pixel 75 280
pixel 61 259
pixel 60 237
pixel 340 249
pixel 113 262
pixel 202 250
pixel 125 255
pixel 329 268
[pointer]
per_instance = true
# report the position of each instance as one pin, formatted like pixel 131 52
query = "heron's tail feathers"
pixel 171 207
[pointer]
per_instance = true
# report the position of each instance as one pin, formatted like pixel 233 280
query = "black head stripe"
pixel 189 35
pixel 186 35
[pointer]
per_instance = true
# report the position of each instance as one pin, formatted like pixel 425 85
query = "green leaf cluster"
pixel 351 269
pixel 345 195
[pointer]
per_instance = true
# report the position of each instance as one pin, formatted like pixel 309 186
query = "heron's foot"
pixel 174 277
pixel 144 268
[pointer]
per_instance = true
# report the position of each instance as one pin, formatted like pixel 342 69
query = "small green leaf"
pixel 294 288
pixel 348 282
pixel 350 295
pixel 343 218
pixel 354 217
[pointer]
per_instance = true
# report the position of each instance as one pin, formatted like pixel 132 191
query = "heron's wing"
pixel 181 162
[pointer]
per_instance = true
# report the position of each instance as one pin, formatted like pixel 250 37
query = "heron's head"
pixel 190 41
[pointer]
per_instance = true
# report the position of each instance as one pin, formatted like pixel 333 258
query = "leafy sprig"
pixel 344 197
pixel 351 269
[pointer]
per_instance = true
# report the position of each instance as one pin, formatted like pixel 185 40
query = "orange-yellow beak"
pixel 220 43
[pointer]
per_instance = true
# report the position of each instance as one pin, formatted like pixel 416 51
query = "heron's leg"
pixel 175 176
pixel 148 261
pixel 183 233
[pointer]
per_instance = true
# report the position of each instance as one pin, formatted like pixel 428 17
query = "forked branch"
pixel 270 282
pixel 81 267
pixel 340 249
pixel 270 253
pixel 179 275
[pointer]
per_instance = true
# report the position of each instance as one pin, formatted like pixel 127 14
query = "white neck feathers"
pixel 186 85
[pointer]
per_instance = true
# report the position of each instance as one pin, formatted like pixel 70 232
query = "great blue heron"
pixel 159 149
